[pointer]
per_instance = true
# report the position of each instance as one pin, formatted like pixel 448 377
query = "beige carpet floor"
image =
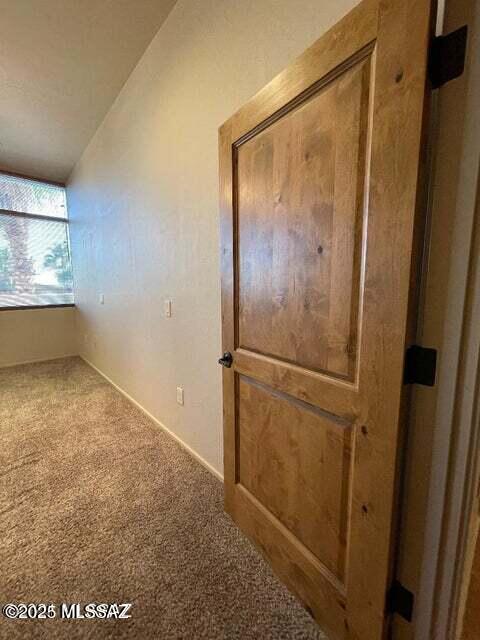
pixel 97 504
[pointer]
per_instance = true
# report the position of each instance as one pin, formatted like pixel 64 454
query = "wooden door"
pixel 319 175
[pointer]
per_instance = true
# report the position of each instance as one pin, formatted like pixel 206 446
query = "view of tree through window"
pixel 35 265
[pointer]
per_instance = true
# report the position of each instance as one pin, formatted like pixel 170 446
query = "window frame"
pixel 23 214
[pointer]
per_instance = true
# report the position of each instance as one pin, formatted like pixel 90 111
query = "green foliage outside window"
pixel 58 260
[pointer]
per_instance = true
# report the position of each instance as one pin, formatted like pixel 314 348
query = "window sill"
pixel 40 306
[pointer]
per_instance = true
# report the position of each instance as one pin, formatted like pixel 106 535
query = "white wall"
pixel 28 335
pixel 143 203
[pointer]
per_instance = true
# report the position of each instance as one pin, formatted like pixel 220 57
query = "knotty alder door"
pixel 319 222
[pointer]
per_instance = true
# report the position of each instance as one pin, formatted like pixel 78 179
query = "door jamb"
pixel 440 476
pixel 441 587
pixel 464 464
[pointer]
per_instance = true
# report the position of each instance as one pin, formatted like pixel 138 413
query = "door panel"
pixel 319 224
pixel 295 460
pixel 300 210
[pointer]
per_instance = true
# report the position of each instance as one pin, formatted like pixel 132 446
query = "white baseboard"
pixel 15 364
pixel 183 444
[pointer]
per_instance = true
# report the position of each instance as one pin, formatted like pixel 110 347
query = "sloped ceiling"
pixel 62 64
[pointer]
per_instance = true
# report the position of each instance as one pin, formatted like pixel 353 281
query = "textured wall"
pixel 143 203
pixel 36 334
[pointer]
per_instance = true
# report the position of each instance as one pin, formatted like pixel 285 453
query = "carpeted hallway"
pixel 97 505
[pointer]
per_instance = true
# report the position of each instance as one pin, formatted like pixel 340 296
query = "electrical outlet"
pixel 167 308
pixel 101 298
pixel 180 395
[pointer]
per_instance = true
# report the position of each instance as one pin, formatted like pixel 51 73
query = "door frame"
pixel 461 498
pixel 442 468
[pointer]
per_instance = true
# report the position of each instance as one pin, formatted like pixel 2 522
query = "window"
pixel 35 265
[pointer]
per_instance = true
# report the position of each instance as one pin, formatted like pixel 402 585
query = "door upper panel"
pixel 300 215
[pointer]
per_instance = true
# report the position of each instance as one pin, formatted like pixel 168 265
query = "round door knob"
pixel 226 360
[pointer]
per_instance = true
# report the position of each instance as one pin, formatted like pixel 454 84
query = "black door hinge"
pixel 400 600
pixel 447 57
pixel 420 366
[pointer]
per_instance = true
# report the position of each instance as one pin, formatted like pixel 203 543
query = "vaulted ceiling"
pixel 62 64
